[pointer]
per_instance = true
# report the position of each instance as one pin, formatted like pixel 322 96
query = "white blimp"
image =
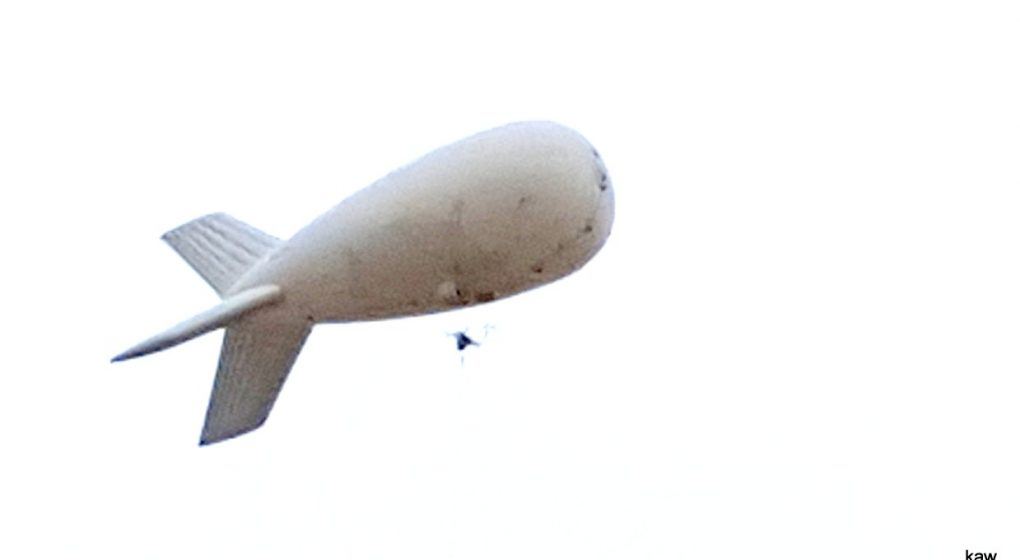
pixel 487 217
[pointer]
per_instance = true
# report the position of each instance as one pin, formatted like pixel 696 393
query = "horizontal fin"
pixel 220 248
pixel 209 320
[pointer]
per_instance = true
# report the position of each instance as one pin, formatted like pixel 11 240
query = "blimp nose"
pixel 602 221
pixel 605 183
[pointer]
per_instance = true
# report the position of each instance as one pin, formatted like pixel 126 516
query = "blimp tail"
pixel 260 345
pixel 259 349
pixel 220 248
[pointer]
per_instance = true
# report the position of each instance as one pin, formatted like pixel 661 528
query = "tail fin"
pixel 258 353
pixel 223 314
pixel 220 248
pixel 259 349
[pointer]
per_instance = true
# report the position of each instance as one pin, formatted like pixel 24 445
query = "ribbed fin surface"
pixel 220 248
pixel 258 353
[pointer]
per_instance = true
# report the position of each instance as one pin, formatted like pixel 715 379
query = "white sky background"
pixel 802 338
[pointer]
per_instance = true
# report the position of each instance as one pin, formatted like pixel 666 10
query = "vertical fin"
pixel 220 248
pixel 258 353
